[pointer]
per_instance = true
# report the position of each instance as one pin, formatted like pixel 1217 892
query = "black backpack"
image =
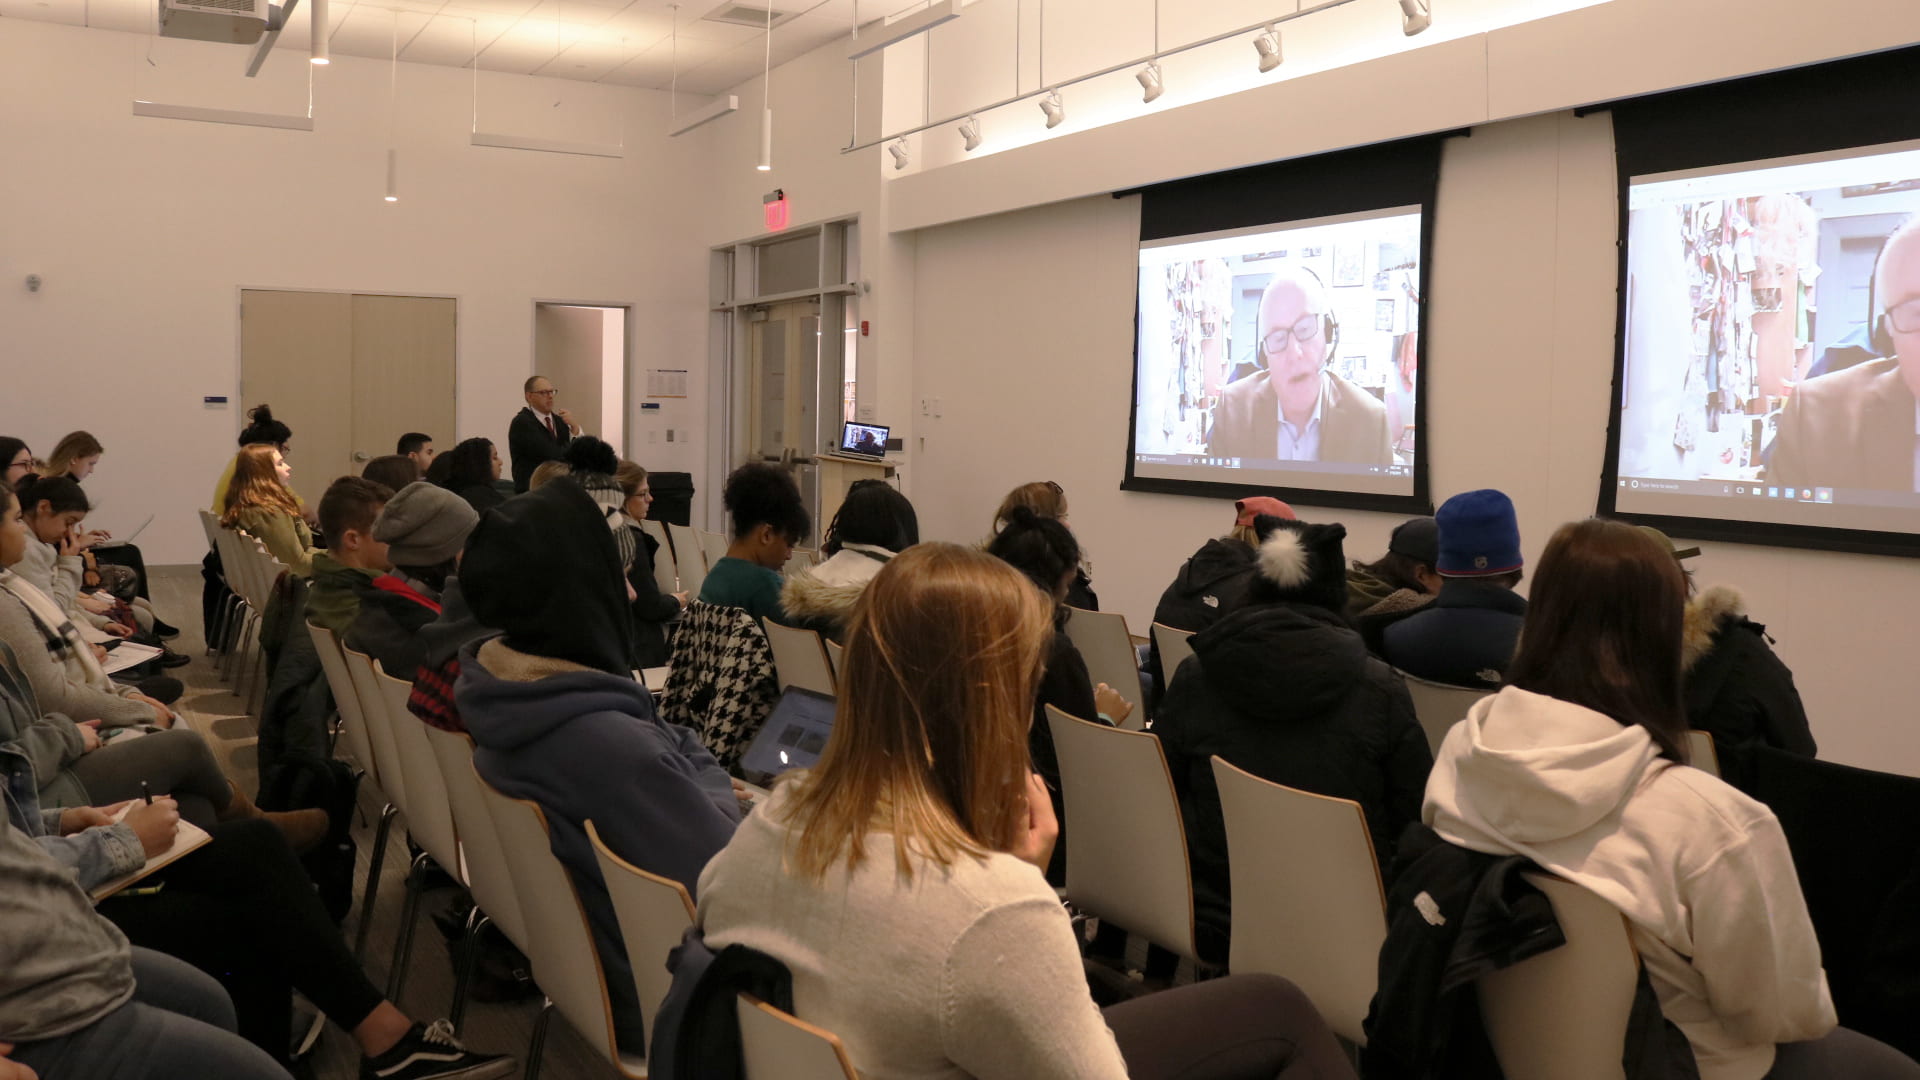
pixel 303 782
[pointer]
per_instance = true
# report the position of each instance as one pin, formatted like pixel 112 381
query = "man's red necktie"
pixel 551 433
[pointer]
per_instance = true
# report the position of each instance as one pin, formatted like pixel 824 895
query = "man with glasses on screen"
pixel 539 432
pixel 1860 427
pixel 1295 409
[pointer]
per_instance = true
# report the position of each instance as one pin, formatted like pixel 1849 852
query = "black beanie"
pixel 542 568
pixel 1302 563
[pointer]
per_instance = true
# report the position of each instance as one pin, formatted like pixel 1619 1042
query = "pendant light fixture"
pixel 1415 16
pixel 1055 109
pixel 970 133
pixel 1151 84
pixel 901 157
pixel 1268 46
pixel 317 30
pixel 766 111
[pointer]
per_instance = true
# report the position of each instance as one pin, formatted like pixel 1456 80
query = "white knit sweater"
pixel 970 972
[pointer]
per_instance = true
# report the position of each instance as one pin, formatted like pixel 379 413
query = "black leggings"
pixel 1242 1027
pixel 242 910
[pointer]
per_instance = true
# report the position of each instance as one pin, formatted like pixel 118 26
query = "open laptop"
pixel 793 737
pixel 863 440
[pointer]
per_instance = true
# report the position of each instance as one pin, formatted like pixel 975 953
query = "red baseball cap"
pixel 1255 505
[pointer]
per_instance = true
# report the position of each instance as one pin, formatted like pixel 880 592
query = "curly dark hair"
pixel 761 494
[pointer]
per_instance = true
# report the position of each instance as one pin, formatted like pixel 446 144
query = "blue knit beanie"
pixel 1479 536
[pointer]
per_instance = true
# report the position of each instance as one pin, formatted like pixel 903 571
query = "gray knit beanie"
pixel 424 525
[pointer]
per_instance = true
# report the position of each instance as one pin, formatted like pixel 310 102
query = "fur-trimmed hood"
pixel 830 590
pixel 1707 615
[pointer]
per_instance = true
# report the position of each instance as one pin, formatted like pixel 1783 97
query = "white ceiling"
pixel 623 42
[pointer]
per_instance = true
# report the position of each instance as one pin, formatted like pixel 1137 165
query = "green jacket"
pixel 333 598
pixel 285 537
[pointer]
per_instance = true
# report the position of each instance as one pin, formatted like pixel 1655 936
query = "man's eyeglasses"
pixel 1905 316
pixel 548 392
pixel 1303 330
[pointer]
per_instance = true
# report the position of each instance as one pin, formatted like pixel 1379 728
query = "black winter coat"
pixel 651 608
pixel 1466 637
pixel 1287 692
pixel 1736 688
pixel 388 629
pixel 1211 585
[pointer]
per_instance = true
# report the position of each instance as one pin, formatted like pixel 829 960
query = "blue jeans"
pixel 179 1023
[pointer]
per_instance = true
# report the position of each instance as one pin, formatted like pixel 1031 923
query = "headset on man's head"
pixel 1329 323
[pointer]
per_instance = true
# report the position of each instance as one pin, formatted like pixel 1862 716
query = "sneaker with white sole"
pixel 431 1052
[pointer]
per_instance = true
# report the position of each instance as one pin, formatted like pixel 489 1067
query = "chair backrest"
pixel 393 779
pixel 1702 753
pixel 714 545
pixel 689 558
pixel 1439 706
pixel 1103 641
pixel 802 560
pixel 775 1045
pixel 1128 860
pixel 429 817
pixel 1527 1007
pixel 346 698
pixel 666 574
pixel 836 655
pixel 1303 860
pixel 654 913
pixel 211 526
pixel 560 944
pixel 1175 647
pixel 799 658
pixel 488 876
pixel 234 564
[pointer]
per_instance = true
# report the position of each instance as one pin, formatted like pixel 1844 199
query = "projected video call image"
pixel 1772 350
pixel 1282 350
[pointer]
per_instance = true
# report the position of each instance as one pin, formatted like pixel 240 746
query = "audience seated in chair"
pixel 1397 584
pixel 391 471
pixel 874 523
pixel 258 502
pixel 899 879
pixel 472 468
pixel 77 455
pixel 1045 550
pixel 1466 636
pixel 1736 687
pixel 1284 688
pixel 768 518
pixel 1214 581
pixel 424 528
pixel 559 718
pixel 1048 500
pixel 1579 766
pixel 239 908
pixel 652 609
pixel 353 559
pixel 54 508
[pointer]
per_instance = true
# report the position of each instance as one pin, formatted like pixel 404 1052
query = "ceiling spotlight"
pixel 318 29
pixel 1149 76
pixel 970 132
pixel 1055 109
pixel 1416 15
pixel 898 148
pixel 1268 46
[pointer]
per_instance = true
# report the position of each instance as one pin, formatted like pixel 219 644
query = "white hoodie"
pixel 1701 871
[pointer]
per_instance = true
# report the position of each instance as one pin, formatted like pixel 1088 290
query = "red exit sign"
pixel 778 210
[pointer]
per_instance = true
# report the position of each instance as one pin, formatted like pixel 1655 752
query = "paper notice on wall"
pixel 666 382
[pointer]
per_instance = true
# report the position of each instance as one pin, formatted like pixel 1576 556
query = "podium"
pixel 837 473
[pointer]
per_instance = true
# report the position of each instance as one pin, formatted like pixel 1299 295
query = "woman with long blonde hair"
pixel 900 880
pixel 259 502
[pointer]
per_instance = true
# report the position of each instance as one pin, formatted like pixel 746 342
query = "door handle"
pixel 360 455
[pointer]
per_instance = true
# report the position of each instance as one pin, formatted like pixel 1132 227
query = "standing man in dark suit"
pixel 539 432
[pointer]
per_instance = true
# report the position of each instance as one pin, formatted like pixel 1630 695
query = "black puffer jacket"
pixel 1287 692
pixel 1210 586
pixel 1736 688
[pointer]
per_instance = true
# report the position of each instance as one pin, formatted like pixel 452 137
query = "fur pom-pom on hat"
pixel 1303 563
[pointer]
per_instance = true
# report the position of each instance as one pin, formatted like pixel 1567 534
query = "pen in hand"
pixel 145 794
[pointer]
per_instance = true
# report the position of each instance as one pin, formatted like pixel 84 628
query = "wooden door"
pixel 295 355
pixel 403 372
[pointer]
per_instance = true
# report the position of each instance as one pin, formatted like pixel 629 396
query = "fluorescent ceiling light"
pixel 705 114
pixel 893 33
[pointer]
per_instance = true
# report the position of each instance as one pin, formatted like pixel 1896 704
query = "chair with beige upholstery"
pixel 688 558
pixel 1107 647
pixel 488 879
pixel 559 939
pixel 799 658
pixel 1530 1008
pixel 429 816
pixel 353 726
pixel 393 780
pixel 775 1045
pixel 1175 647
pixel 1127 863
pixel 1440 706
pixel 654 914
pixel 1300 860
pixel 1702 753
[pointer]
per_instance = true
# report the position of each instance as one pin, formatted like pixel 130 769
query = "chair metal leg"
pixel 367 895
pixel 539 1041
pixel 477 923
pixel 409 914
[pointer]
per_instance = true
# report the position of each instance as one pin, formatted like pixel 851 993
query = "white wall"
pixel 1520 360
pixel 145 228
